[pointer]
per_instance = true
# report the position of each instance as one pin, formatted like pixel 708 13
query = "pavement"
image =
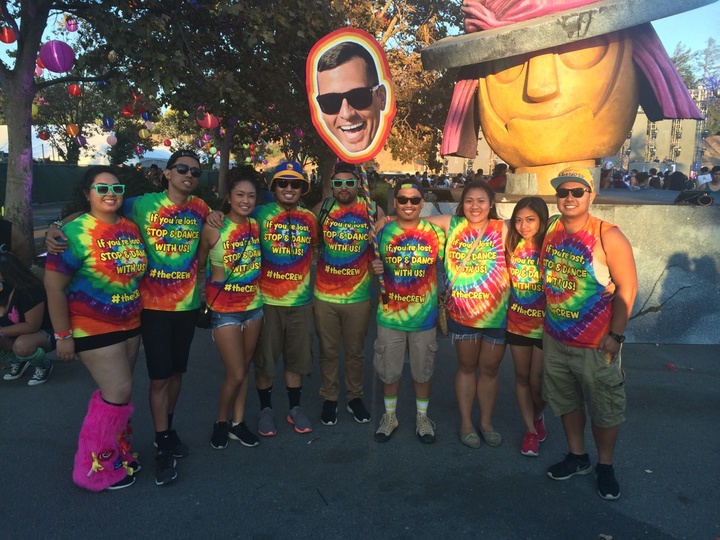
pixel 337 482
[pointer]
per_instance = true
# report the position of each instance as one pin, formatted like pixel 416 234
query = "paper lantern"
pixel 167 142
pixel 145 115
pixel 38 71
pixel 265 162
pixel 206 137
pixel 111 140
pixel 112 56
pixel 213 150
pixel 44 135
pixel 144 134
pixel 7 35
pixel 57 56
pixel 71 25
pixel 34 109
pixel 80 141
pixel 39 63
pixel 149 125
pixel 108 122
pixel 207 120
pixel 74 90
pixel 73 130
pixel 247 160
pixel 127 111
pixel 139 150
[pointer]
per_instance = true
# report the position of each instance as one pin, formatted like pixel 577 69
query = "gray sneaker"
pixel 297 418
pixel 388 424
pixel 16 371
pixel 425 428
pixel 266 423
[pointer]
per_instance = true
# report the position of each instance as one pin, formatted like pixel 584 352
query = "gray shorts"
pixel 390 347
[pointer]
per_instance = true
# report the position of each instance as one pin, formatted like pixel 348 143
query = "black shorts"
pixel 522 341
pixel 90 343
pixel 167 336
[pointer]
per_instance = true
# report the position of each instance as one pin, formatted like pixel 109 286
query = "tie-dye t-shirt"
pixel 172 235
pixel 479 296
pixel 579 301
pixel 238 252
pixel 526 312
pixel 342 271
pixel 286 239
pixel 106 263
pixel 409 257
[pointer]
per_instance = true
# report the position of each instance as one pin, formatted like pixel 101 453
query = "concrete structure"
pixel 678 260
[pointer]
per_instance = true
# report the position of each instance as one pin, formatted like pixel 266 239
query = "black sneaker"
pixel 329 413
pixel 608 487
pixel 16 371
pixel 41 375
pixel 219 439
pixel 357 407
pixel 570 466
pixel 244 435
pixel 165 468
pixel 179 449
pixel 121 484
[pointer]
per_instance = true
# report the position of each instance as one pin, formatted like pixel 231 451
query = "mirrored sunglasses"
pixel 344 182
pixel 183 169
pixel 358 98
pixel 577 192
pixel 104 189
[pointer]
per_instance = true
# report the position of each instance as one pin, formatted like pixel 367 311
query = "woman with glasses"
pixel 25 329
pixel 477 303
pixel 232 292
pixel 95 306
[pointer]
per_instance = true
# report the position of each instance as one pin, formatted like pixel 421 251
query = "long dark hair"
pixel 537 205
pixel 478 184
pixel 246 173
pixel 16 274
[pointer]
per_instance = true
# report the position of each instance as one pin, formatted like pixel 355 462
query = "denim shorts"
pixel 458 331
pixel 238 318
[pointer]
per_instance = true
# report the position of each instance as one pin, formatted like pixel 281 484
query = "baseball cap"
pixel 342 167
pixel 181 153
pixel 410 184
pixel 574 174
pixel 290 170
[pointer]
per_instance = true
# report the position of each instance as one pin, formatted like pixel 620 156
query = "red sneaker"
pixel 530 444
pixel 540 427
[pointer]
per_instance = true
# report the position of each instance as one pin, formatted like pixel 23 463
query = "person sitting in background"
pixel 618 182
pixel 714 184
pixel 703 178
pixel 655 181
pixel 499 178
pixel 676 182
pixel 641 180
pixel 25 329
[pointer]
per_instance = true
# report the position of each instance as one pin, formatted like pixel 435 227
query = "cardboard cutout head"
pixel 350 92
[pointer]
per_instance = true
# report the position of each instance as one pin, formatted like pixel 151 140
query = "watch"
pixel 617 337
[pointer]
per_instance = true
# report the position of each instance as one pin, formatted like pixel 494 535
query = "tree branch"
pixel 60 80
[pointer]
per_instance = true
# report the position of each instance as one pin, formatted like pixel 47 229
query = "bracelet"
pixel 63 335
pixel 59 224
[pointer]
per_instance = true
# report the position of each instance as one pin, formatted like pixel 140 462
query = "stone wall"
pixel 677 253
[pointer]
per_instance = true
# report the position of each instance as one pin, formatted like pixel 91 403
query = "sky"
pixel 692 28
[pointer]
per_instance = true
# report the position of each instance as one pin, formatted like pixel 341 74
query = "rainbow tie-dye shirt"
pixel 342 271
pixel 172 235
pixel 286 239
pixel 579 302
pixel 409 257
pixel 526 312
pixel 238 252
pixel 480 294
pixel 106 263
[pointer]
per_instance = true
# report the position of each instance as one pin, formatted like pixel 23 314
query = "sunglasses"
pixel 348 183
pixel 295 184
pixel 412 200
pixel 577 192
pixel 183 169
pixel 104 189
pixel 357 98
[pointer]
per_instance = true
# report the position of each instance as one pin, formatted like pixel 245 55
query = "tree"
pixel 686 63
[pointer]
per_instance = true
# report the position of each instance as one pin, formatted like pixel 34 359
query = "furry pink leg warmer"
pixel 99 461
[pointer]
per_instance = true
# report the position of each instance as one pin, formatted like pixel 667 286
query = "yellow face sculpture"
pixel 570 103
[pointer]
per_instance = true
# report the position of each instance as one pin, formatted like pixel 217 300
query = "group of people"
pixel 558 291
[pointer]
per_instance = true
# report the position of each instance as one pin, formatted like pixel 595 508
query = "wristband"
pixel 59 224
pixel 63 335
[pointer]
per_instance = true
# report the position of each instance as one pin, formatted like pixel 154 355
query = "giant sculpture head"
pixel 558 82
